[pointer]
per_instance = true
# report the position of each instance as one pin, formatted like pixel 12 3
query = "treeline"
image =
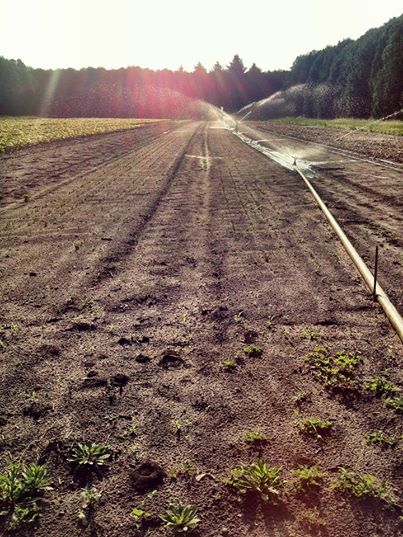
pixel 360 78
pixel 130 92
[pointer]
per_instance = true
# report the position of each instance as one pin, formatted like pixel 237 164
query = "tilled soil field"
pixel 168 300
pixel 370 144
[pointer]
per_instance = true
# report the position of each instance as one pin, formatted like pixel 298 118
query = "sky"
pixel 173 33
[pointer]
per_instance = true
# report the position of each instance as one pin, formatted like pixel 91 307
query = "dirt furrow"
pixel 139 339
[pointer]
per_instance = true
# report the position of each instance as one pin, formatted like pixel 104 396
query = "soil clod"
pixel 250 336
pixel 147 476
pixel 142 359
pixel 83 326
pixel 171 360
pixel 124 341
pixel 120 380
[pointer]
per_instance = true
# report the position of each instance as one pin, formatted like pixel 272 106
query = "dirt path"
pixel 130 286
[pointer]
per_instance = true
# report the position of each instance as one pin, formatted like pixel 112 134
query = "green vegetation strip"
pixel 18 132
pixel 394 127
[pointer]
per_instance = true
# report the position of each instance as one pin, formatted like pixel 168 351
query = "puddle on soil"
pixel 202 157
pixel 284 159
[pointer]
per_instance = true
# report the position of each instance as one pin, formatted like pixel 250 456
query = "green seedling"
pixel 380 386
pixel 177 427
pixel 255 437
pixel 311 519
pixel 300 397
pixel 239 316
pixel 96 312
pixel 377 437
pixel 312 426
pixel 133 428
pixel 32 397
pixel 395 403
pixel 286 333
pixel 308 477
pixel 90 454
pixel 21 490
pixel 253 350
pixel 333 371
pixel 180 427
pixel 89 497
pixel 257 478
pixel 139 516
pixel 217 496
pixel 270 321
pixel 312 335
pixel 360 485
pixel 180 518
pixel 185 468
pixel 229 365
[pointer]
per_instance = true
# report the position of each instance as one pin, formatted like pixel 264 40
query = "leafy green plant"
pixel 312 426
pixel 90 454
pixel 308 477
pixel 229 365
pixel 21 489
pixel 258 478
pixel 380 386
pixel 180 518
pixel 139 516
pixel 89 497
pixel 253 350
pixel 360 485
pixel 332 371
pixel 395 403
pixel 377 437
pixel 255 437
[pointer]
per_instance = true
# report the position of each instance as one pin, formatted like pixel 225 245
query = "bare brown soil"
pixel 126 278
pixel 370 144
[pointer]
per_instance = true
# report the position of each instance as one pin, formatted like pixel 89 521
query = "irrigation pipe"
pixel 390 311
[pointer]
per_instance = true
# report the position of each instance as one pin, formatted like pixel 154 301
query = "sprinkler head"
pixel 295 161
